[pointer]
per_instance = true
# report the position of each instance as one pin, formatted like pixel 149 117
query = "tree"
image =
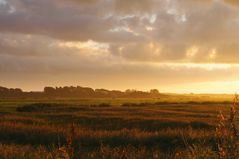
pixel 154 91
pixel 49 90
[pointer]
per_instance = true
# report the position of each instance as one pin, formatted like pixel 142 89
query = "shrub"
pixel 102 105
pixel 36 107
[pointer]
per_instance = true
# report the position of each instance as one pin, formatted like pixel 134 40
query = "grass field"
pixel 110 128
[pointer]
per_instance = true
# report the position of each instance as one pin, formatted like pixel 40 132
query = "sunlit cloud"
pixel 149 28
pixel 213 53
pixel 89 44
pixel 192 51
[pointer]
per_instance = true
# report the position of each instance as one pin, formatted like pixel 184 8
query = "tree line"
pixel 77 92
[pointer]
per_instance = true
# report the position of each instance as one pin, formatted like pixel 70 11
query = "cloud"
pixel 82 1
pixel 179 28
pixel 124 39
pixel 134 6
pixel 233 2
pixel 174 27
pixel 33 53
pixel 48 18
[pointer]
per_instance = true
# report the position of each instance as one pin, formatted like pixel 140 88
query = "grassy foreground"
pixel 112 128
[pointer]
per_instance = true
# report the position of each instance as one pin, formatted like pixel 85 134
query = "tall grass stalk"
pixel 227 133
pixel 69 151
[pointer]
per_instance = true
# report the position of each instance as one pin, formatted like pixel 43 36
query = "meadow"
pixel 174 127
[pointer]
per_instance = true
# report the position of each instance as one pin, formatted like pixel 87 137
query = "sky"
pixel 179 46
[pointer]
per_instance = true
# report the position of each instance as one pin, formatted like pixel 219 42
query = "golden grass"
pixel 164 130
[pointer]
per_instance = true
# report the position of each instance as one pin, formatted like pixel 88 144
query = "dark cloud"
pixel 179 28
pixel 45 18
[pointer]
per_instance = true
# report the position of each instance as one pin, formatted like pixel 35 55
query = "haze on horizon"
pixel 179 46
